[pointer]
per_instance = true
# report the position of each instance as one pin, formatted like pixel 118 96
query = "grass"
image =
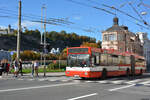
pixel 41 70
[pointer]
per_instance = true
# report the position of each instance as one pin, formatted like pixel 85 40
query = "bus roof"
pixel 109 51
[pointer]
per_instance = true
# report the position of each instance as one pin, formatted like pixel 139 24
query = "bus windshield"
pixel 79 60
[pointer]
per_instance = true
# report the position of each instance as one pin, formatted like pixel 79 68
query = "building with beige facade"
pixel 121 39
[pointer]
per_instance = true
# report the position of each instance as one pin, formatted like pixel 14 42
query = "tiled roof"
pixel 115 28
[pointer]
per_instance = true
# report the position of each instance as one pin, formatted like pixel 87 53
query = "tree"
pixel 99 44
pixel 87 44
pixel 63 55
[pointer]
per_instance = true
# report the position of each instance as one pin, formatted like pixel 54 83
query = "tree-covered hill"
pixel 30 40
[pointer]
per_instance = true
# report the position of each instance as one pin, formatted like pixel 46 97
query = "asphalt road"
pixel 116 88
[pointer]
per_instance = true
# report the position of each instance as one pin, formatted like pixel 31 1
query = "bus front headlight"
pixel 86 73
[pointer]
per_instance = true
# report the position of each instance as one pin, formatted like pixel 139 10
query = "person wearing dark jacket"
pixel 1 69
pixel 20 67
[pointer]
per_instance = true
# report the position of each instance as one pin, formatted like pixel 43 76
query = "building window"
pixel 120 37
pixel 112 37
pixel 105 38
pixel 109 37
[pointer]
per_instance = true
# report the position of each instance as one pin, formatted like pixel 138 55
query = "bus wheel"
pixel 104 74
pixel 141 72
pixel 83 78
pixel 128 73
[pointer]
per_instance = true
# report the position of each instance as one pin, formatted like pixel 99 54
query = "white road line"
pixel 102 82
pixel 36 87
pixel 117 81
pixel 121 87
pixel 131 82
pixel 83 96
pixel 146 82
pixel 89 81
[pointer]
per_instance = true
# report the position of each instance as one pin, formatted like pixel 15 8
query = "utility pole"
pixel 19 31
pixel 45 43
pixel 41 33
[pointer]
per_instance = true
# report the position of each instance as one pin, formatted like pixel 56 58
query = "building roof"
pixel 115 28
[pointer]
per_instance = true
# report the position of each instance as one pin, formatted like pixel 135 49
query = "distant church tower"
pixel 9 29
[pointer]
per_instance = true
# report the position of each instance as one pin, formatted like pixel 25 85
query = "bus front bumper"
pixel 85 74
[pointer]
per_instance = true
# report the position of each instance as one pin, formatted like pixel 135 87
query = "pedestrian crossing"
pixel 116 81
pixel 123 82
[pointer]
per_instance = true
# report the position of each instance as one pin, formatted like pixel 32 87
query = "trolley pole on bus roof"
pixel 19 31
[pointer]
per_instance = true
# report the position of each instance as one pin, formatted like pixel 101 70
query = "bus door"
pixel 132 65
pixel 95 59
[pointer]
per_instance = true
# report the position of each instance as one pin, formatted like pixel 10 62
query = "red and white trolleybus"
pixel 88 62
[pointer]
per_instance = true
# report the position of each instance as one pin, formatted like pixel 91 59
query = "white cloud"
pixel 29 24
pixel 77 17
pixel 3 27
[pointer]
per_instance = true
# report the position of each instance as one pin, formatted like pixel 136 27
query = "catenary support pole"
pixel 19 31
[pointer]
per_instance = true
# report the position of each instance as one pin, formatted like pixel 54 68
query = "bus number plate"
pixel 76 76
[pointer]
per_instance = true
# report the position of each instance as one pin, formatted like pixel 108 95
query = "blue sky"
pixel 83 17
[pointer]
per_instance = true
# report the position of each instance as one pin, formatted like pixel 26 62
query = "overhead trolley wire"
pixel 91 6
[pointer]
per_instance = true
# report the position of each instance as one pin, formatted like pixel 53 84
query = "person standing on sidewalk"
pixel 16 67
pixel 20 67
pixel 1 69
pixel 36 65
pixel 32 68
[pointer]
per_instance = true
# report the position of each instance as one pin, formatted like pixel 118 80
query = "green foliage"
pixel 99 44
pixel 56 66
pixel 63 39
pixel 14 56
pixel 87 44
pixel 30 40
pixel 32 32
pixel 41 70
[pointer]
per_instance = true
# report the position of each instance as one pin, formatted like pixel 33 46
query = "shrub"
pixel 56 66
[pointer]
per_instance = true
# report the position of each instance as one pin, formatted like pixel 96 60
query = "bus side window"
pixel 103 59
pixel 110 60
pixel 121 59
pixel 97 60
pixel 127 60
pixel 93 61
pixel 115 59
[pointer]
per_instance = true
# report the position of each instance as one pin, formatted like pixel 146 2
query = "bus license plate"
pixel 76 76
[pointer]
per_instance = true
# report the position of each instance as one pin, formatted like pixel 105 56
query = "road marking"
pixel 121 87
pixel 146 82
pixel 89 81
pixel 36 87
pixel 131 82
pixel 84 96
pixel 117 81
pixel 102 82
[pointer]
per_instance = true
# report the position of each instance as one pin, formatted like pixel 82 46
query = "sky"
pixel 82 15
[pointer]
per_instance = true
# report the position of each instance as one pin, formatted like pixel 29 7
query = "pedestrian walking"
pixel 5 66
pixel 16 67
pixel 1 69
pixel 36 65
pixel 20 67
pixel 32 68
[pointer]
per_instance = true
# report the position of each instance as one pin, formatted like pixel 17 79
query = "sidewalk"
pixel 41 75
